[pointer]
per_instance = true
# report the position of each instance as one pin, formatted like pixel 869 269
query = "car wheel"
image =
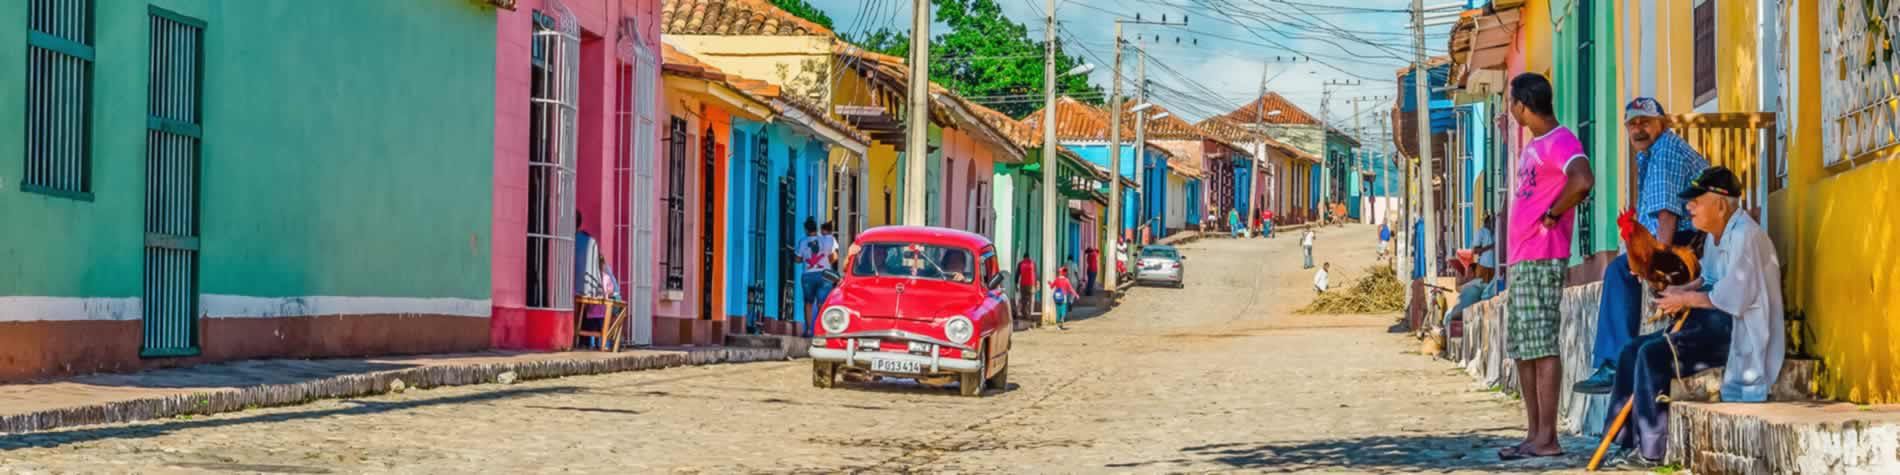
pixel 971 384
pixel 824 375
pixel 1001 381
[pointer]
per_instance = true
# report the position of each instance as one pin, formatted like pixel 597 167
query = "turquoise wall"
pixel 348 151
pixel 1602 111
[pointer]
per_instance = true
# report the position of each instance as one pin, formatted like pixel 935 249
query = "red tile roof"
pixel 1076 120
pixel 680 63
pixel 734 18
pixel 1273 101
pixel 1236 133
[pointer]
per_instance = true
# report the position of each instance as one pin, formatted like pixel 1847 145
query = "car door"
pixel 997 308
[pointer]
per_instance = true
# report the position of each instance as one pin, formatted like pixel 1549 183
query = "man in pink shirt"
pixel 1553 176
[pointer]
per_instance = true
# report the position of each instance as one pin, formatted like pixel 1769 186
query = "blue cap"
pixel 1642 107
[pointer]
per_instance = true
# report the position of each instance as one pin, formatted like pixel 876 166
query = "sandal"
pixel 1511 453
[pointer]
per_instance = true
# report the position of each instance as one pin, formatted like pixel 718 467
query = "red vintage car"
pixel 917 302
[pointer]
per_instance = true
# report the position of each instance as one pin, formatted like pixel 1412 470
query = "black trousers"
pixel 1647 364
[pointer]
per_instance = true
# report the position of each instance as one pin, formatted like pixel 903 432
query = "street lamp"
pixel 1162 115
pixel 1084 68
pixel 1143 107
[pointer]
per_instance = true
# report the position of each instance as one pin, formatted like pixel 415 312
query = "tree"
pixel 983 56
pixel 804 10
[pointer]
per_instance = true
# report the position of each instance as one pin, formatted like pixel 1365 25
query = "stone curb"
pixel 366 384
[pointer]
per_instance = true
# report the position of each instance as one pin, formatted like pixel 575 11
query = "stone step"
pixel 1790 437
pixel 1796 383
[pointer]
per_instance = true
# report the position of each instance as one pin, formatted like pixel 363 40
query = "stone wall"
pixel 1481 353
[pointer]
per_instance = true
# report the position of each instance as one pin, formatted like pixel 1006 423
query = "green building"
pixel 197 180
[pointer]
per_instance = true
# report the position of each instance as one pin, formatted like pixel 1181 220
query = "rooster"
pixel 1658 265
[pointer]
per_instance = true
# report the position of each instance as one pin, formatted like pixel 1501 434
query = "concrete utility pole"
pixel 1050 188
pixel 1359 135
pixel 918 145
pixel 1106 250
pixel 1420 76
pixel 1326 134
pixel 1141 146
pixel 1260 127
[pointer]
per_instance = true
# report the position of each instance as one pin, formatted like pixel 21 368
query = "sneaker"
pixel 1634 460
pixel 1400 327
pixel 1599 382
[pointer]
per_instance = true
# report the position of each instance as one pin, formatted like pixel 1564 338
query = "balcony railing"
pixel 1743 142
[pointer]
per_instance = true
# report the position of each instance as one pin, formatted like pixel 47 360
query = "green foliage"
pixel 985 57
pixel 804 10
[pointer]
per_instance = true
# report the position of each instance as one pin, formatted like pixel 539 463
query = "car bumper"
pixel 1159 276
pixel 862 360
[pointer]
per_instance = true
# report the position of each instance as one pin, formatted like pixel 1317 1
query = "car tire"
pixel 1001 380
pixel 971 384
pixel 824 375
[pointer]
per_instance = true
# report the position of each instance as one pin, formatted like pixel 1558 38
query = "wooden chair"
pixel 611 326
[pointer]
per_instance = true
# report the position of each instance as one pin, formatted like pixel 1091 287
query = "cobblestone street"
pixel 1218 377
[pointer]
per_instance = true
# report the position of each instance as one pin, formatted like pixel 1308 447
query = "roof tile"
pixel 734 18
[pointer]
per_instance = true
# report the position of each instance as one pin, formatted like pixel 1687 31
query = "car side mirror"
pixel 996 281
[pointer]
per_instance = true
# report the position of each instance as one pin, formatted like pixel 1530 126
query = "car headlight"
pixel 836 320
pixel 959 329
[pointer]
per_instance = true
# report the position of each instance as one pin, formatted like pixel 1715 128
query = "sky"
pixel 1358 40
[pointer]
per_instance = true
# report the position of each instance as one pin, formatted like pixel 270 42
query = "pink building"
pixel 575 129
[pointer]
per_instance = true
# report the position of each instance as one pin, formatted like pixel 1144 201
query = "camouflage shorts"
pixel 1537 289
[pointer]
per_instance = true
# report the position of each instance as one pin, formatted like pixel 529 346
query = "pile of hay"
pixel 1378 292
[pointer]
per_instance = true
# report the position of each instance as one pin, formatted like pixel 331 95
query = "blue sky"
pixel 1237 39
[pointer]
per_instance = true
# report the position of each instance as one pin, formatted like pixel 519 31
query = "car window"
pixel 1162 253
pixel 922 261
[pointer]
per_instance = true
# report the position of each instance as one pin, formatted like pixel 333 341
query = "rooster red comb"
pixel 1626 223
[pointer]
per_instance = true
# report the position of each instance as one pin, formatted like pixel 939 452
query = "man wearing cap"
pixel 1664 164
pixel 1734 320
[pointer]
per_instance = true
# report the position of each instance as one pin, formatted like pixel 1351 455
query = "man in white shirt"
pixel 1306 243
pixel 1735 320
pixel 815 253
pixel 1319 279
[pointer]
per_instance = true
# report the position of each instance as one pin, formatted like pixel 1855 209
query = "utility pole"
pixel 1326 133
pixel 1260 127
pixel 1141 145
pixel 1106 252
pixel 1050 188
pixel 918 144
pixel 1422 118
pixel 1359 135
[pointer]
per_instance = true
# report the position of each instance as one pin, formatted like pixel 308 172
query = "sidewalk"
pixel 229 387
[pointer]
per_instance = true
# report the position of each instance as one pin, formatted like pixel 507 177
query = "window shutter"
pixel 1705 52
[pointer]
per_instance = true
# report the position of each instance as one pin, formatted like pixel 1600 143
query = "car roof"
pixel 924 235
pixel 1158 246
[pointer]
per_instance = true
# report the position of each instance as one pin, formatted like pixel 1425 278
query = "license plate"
pixel 919 347
pixel 896 366
pixel 867 344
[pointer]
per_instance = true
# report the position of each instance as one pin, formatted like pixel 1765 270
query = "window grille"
pixel 59 98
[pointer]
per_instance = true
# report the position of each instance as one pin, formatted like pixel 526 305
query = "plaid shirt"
pixel 1666 169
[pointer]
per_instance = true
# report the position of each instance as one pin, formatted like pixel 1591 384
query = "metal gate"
pixel 551 158
pixel 755 293
pixel 640 72
pixel 708 220
pixel 788 243
pixel 173 143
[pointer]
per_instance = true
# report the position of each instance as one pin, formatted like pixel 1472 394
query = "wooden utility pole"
pixel 1050 188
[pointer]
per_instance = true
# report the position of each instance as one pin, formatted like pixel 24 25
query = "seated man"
pixel 1664 164
pixel 1734 320
pixel 1479 288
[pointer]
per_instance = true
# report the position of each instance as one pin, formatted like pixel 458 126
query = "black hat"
pixel 1718 179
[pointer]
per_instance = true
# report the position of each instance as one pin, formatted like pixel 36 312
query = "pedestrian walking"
pixel 1025 286
pixel 1065 296
pixel 1306 244
pixel 1385 240
pixel 1266 223
pixel 1233 223
pixel 815 253
pixel 1091 267
pixel 1553 177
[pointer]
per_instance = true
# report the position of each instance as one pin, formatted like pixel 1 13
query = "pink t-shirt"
pixel 1540 180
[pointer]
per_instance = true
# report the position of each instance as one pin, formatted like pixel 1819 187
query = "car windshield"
pixel 922 261
pixel 1158 252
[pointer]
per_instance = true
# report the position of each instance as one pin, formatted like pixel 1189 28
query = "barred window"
pixel 675 258
pixel 59 98
pixel 553 110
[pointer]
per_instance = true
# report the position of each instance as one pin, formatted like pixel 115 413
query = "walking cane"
pixel 1623 415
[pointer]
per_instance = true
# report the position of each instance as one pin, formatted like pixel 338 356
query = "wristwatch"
pixel 1549 216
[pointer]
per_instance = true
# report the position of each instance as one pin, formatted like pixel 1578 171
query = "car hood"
pixel 922 300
